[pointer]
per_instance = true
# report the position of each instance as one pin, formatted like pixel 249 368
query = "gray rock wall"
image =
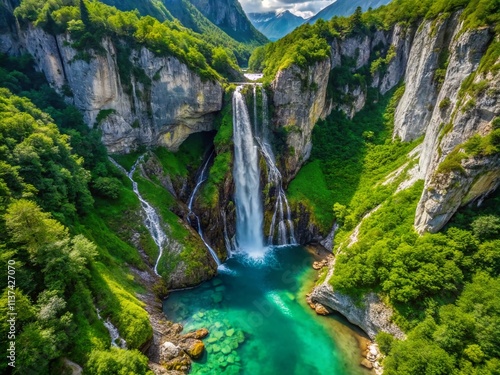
pixel 175 104
pixel 433 59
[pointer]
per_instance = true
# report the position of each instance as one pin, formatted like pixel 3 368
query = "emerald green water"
pixel 260 324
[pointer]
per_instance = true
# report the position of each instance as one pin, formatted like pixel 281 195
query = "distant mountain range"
pixel 346 8
pixel 276 25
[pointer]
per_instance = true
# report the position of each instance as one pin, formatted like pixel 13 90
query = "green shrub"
pixel 445 103
pixel 107 187
pixel 118 362
pixel 384 341
pixel 486 227
pixel 103 114
pixel 452 162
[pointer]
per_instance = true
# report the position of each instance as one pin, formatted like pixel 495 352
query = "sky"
pixel 304 9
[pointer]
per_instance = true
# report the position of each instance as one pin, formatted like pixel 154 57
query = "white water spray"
pixel 281 221
pixel 152 220
pixel 246 174
pixel 116 339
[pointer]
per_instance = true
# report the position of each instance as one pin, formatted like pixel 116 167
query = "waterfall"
pixel 201 179
pixel 282 215
pixel 230 246
pixel 116 340
pixel 249 211
pixel 246 174
pixel 152 221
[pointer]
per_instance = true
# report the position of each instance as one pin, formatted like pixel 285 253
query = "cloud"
pixel 301 8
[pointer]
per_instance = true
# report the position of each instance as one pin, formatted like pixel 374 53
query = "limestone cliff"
pixel 371 315
pixel 160 103
pixel 437 60
pixel 302 96
pixel 299 100
pixel 451 100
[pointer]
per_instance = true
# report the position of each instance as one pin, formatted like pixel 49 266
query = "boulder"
pixel 321 310
pixel 168 351
pixel 366 363
pixel 194 348
pixel 198 334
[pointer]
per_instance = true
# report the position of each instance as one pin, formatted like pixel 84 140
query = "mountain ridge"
pixel 275 25
pixel 343 8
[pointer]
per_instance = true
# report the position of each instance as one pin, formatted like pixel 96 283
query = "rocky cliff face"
pixel 433 58
pixel 459 113
pixel 372 315
pixel 161 105
pixel 451 100
pixel 301 97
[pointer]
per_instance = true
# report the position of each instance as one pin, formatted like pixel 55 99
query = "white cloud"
pixel 301 8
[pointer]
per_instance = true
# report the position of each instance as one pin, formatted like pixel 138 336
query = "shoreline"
pixel 368 353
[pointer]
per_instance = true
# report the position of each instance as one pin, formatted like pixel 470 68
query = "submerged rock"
pixel 366 363
pixel 194 348
pixel 198 334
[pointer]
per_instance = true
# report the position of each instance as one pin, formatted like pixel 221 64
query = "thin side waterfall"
pixel 246 174
pixel 255 120
pixel 282 216
pixel 230 246
pixel 152 221
pixel 201 179
pixel 116 340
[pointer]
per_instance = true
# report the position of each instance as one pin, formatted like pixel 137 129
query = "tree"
pixel 356 19
pixel 30 226
pixel 117 362
pixel 486 227
pixel 107 187
pixel 84 14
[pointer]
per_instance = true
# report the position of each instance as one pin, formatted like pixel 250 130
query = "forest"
pixel 55 181
pixel 89 22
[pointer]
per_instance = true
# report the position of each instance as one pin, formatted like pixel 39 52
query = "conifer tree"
pixel 84 14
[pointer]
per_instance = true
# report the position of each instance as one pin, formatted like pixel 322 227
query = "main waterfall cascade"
pixel 248 144
pixel 246 175
pixel 152 221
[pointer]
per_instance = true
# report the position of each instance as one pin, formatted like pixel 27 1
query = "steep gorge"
pixel 450 98
pixel 433 59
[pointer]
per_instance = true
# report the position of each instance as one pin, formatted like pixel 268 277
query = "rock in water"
pixel 321 310
pixel 366 363
pixel 194 348
pixel 198 334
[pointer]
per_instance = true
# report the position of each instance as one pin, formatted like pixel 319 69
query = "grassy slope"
pixel 109 226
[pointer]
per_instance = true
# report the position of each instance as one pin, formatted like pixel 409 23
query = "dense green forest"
pixel 192 18
pixel 58 192
pixel 89 22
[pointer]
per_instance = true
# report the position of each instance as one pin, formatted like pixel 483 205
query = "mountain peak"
pixel 276 24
